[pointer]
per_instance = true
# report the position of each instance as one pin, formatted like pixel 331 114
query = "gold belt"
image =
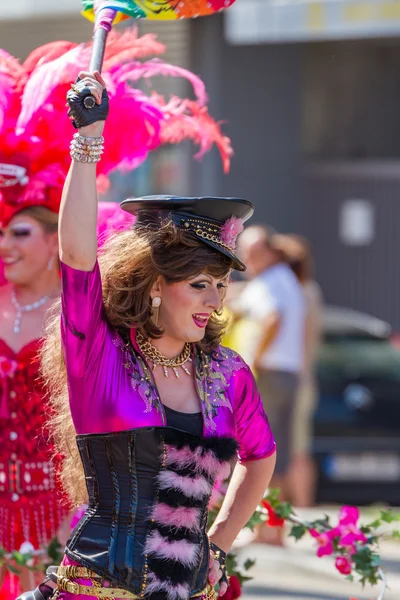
pixel 64 583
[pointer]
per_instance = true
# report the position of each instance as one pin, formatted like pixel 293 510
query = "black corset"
pixel 145 526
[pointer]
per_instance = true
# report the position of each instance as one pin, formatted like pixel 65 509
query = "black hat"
pixel 215 221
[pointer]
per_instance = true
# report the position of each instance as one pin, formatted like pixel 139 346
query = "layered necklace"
pixel 24 309
pixel 151 353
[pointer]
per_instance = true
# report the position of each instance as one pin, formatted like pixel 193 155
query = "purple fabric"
pixel 105 18
pixel 111 391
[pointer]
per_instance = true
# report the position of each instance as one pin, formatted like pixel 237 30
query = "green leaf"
pixel 284 510
pixel 365 529
pixel 389 516
pixel 21 559
pixel 297 532
pixel 396 534
pixel 54 551
pixel 13 569
pixel 256 518
pixel 322 523
pixel 273 498
pixel 273 494
pixel 374 525
pixel 242 578
pixel 231 563
pixel 249 564
pixel 373 539
pixel 363 581
pixel 375 560
pixel 350 578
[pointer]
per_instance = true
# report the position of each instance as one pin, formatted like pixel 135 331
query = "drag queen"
pixel 33 165
pixel 160 409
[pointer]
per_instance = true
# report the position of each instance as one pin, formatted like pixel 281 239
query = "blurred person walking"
pixel 302 475
pixel 274 299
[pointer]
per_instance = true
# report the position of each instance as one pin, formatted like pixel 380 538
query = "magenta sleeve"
pixel 254 434
pixel 83 327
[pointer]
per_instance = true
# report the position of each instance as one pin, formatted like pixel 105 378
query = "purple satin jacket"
pixel 112 389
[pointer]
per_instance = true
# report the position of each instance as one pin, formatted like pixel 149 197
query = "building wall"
pixel 361 276
pixel 20 37
pixel 351 134
pixel 351 96
pixel 256 90
pixel 313 126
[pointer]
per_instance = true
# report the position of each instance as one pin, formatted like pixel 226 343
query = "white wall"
pixel 23 9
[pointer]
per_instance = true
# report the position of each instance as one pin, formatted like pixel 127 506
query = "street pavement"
pixel 296 573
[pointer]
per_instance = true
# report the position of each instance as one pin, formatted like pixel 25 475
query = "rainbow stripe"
pixel 163 10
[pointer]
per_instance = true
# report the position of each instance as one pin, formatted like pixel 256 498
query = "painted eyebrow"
pixel 201 277
pixel 22 226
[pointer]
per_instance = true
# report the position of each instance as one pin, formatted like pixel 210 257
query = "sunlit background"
pixel 309 92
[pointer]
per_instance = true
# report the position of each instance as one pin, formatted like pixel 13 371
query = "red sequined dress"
pixel 31 509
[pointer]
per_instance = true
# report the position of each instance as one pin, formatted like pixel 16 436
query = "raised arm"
pixel 78 212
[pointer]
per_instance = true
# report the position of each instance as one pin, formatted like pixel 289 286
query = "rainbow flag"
pixel 156 9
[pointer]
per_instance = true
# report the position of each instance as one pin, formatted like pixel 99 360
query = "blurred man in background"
pixel 274 298
pixel 298 254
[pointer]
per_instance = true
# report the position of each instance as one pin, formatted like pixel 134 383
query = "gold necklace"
pixel 151 353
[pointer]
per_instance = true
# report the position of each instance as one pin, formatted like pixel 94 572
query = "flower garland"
pixel 27 557
pixel 354 547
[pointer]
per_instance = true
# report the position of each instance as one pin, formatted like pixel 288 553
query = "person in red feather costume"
pixel 34 160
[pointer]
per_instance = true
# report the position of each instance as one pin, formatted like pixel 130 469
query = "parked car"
pixel 357 422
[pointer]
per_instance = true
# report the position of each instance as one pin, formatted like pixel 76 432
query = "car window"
pixel 343 358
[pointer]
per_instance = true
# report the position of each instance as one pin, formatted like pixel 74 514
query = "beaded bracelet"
pixel 86 149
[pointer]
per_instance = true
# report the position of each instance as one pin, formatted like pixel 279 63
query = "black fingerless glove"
pixel 79 98
pixel 220 556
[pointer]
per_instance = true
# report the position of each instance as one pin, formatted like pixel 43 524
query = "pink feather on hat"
pixel 230 231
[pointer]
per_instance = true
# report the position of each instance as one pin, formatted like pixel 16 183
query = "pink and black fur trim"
pixel 175 545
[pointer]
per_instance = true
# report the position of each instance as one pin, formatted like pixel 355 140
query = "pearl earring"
pixel 155 305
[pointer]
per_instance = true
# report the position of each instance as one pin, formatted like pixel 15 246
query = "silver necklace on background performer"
pixel 24 309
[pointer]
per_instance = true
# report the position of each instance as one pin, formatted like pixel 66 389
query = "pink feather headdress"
pixel 230 231
pixel 35 131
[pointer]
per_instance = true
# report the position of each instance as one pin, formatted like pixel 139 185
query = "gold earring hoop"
pixel 155 309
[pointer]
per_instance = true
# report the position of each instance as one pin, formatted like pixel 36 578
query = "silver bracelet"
pixel 86 150
pixel 83 158
pixel 89 141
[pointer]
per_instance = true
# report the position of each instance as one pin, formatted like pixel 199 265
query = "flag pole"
pixel 103 24
pixel 99 46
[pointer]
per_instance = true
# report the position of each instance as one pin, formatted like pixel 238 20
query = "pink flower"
pixel 230 231
pixel 324 541
pixel 348 530
pixel 343 565
pixel 349 540
pixel 348 515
